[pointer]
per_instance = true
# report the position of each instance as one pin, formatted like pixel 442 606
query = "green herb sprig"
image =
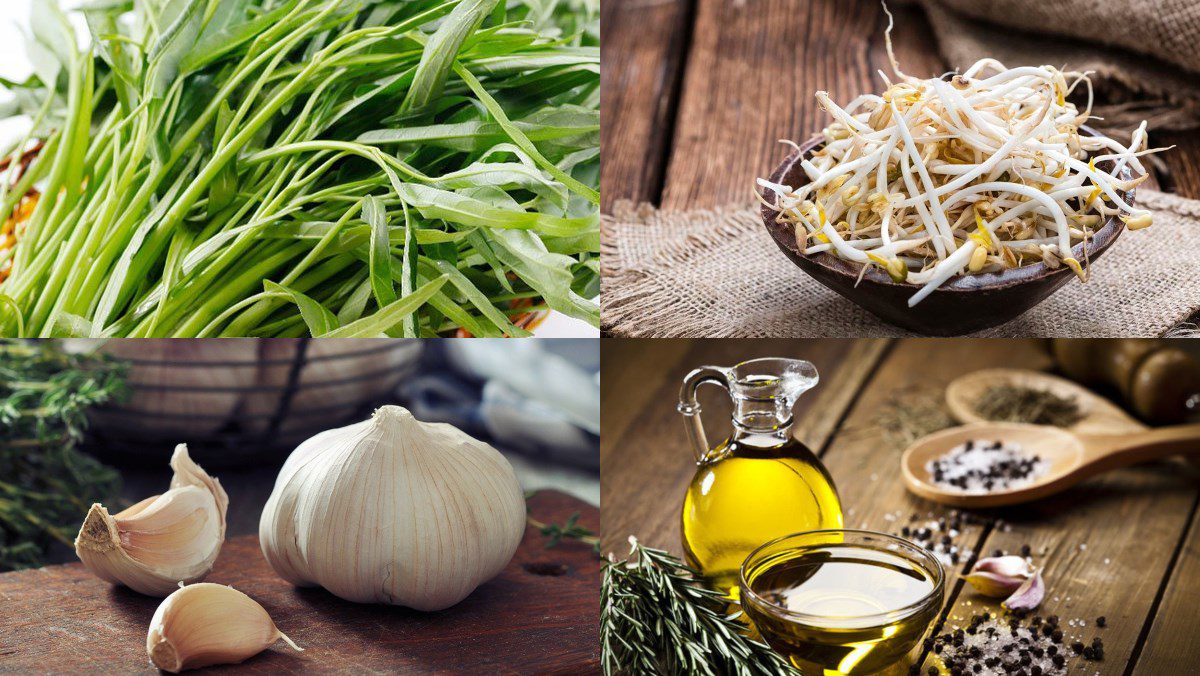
pixel 655 618
pixel 46 485
pixel 570 530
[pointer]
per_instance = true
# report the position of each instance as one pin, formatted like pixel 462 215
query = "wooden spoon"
pixel 1100 416
pixel 1072 456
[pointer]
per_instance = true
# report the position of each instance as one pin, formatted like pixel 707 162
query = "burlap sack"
pixel 717 273
pixel 1145 54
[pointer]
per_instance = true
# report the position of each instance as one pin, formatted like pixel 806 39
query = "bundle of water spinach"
pixel 306 167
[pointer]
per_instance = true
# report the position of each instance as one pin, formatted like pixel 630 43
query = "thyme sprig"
pixel 46 485
pixel 655 618
pixel 569 530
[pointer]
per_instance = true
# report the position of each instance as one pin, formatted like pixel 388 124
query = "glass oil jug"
pixel 758 484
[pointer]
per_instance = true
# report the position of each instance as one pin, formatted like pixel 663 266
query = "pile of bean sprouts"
pixel 976 172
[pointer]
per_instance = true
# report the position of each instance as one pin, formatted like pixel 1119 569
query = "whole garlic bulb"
pixel 393 510
pixel 163 540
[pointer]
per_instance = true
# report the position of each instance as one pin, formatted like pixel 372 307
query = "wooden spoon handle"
pixel 1109 452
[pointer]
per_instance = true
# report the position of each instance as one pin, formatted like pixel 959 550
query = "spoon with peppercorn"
pixel 996 464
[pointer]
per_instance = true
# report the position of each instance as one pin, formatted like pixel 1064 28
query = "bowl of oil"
pixel 842 601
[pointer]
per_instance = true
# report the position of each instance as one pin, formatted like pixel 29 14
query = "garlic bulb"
pixel 393 510
pixel 162 540
pixel 204 624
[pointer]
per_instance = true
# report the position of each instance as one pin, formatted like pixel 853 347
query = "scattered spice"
pixel 938 534
pixel 912 414
pixel 982 467
pixel 993 645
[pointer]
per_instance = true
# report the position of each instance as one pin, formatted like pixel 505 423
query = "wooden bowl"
pixel 963 304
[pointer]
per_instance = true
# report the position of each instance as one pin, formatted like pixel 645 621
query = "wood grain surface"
pixel 537 616
pixel 1126 545
pixel 747 72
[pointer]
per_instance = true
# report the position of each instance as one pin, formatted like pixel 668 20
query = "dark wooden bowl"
pixel 963 304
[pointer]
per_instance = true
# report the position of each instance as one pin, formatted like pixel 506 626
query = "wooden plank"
pixel 1183 161
pixel 538 616
pixel 647 464
pixel 626 391
pixel 750 79
pixel 1171 646
pixel 644 43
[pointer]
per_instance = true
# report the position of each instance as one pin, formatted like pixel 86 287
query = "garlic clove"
pixel 1029 595
pixel 999 575
pixel 161 541
pixel 204 624
pixel 994 585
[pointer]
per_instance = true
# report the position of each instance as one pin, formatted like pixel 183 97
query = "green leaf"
pixel 319 320
pixel 169 50
pixel 385 319
pixel 381 252
pixel 441 50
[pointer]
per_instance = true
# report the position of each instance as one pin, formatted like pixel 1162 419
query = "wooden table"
pixel 1125 546
pixel 537 616
pixel 697 93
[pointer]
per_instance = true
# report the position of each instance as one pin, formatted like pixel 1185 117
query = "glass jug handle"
pixel 689 405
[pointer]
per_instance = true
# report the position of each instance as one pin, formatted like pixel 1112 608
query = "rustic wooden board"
pixel 1171 646
pixel 538 616
pixel 644 45
pixel 750 78
pixel 646 463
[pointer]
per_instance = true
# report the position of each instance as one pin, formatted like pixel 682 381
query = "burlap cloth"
pixel 1145 54
pixel 717 273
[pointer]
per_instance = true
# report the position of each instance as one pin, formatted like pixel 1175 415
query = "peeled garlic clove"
pixel 204 624
pixel 161 541
pixel 393 510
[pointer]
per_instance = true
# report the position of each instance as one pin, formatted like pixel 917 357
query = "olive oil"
pixel 759 484
pixel 842 602
pixel 750 490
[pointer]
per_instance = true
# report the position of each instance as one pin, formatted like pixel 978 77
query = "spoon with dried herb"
pixel 1035 397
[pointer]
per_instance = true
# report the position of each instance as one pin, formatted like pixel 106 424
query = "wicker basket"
pixel 244 400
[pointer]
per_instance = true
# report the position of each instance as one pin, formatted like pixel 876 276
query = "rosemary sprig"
pixel 655 618
pixel 46 485
pixel 570 530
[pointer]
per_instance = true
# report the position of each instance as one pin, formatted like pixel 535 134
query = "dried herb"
pixel 46 484
pixel 912 414
pixel 571 530
pixel 1009 403
pixel 655 618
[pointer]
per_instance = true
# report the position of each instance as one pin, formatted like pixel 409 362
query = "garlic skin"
pixel 393 510
pixel 163 540
pixel 204 624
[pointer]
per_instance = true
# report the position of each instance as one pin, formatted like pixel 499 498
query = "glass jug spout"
pixel 763 392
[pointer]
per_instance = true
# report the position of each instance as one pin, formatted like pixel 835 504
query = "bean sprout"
pixel 976 172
